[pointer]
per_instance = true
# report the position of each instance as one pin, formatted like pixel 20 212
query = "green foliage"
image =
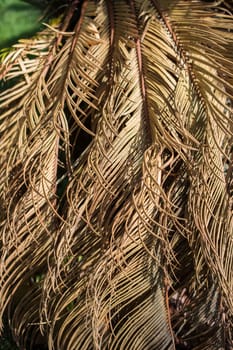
pixel 18 20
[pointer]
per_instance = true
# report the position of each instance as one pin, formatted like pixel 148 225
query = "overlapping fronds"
pixel 116 178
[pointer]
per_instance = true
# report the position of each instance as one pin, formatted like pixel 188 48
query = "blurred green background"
pixel 18 19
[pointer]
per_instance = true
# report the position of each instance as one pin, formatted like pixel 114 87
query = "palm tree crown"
pixel 116 178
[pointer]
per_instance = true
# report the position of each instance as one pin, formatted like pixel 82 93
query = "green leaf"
pixel 18 20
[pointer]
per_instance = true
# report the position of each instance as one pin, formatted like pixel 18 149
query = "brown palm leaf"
pixel 116 155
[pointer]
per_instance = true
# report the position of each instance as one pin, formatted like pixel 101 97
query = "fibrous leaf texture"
pixel 116 178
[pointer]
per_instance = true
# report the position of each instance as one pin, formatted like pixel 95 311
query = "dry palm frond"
pixel 116 156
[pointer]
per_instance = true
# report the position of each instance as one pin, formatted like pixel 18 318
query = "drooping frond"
pixel 116 156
